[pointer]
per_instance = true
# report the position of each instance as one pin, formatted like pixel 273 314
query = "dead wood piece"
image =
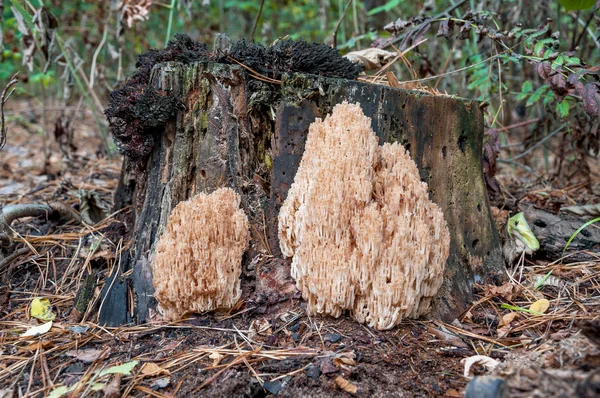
pixel 554 231
pixel 83 298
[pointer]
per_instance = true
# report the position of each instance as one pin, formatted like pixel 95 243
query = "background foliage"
pixel 533 63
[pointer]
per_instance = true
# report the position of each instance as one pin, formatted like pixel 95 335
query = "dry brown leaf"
pixel 37 345
pixel 346 385
pixel 371 58
pixel 508 291
pixel 392 80
pixel 112 389
pixel 152 369
pixel 216 357
pixel 508 318
pixel 540 306
pixel 87 356
pixel 344 359
pixel 453 393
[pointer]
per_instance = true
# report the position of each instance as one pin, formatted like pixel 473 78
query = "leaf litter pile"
pixel 539 331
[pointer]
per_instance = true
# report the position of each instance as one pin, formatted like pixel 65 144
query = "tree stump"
pixel 234 130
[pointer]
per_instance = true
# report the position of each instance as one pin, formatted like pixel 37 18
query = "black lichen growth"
pixel 137 110
pixel 288 56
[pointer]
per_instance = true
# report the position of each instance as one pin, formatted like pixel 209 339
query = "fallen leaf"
pixel 41 308
pixel 112 389
pixel 486 361
pixel 216 357
pixel 508 318
pixel 346 385
pixel 344 359
pixel 503 331
pixel 81 329
pixel 124 369
pixel 452 393
pixel 507 291
pixel 540 306
pixel 152 369
pixel 59 391
pixel 161 383
pixel 371 58
pixel 35 346
pixel 38 330
pixel 86 356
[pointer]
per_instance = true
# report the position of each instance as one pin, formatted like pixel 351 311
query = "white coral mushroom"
pixel 358 223
pixel 197 264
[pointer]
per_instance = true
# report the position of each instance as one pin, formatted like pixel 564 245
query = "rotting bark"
pixel 249 135
pixel 554 231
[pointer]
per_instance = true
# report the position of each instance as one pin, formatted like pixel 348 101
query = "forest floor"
pixel 251 353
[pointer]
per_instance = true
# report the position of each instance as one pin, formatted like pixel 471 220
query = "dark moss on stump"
pixel 137 112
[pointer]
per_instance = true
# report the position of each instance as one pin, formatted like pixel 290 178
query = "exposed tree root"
pixel 12 212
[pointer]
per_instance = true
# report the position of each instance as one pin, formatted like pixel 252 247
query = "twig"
pixel 540 142
pixel 337 27
pixel 576 42
pixel 6 260
pixel 95 57
pixel 520 124
pixel 3 99
pixel 262 3
pixel 526 168
pixel 440 15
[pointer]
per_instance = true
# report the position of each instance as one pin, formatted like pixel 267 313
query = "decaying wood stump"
pixel 234 130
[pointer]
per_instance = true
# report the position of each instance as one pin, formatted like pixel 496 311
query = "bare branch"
pixel 337 27
pixel 3 99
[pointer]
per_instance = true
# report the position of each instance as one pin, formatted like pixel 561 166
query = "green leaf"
pixel 577 4
pixel 527 86
pixel 124 369
pixel 579 230
pixel 537 95
pixel 562 108
pixel 572 61
pixel 59 391
pixel 549 97
pixel 521 96
pixel 390 5
pixel 558 62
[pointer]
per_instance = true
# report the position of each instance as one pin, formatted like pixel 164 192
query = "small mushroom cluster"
pixel 363 234
pixel 197 264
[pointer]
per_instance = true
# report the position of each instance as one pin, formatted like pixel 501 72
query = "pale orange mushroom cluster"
pixel 363 234
pixel 197 264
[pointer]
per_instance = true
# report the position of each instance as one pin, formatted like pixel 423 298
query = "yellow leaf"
pixel 540 306
pixel 152 369
pixel 42 309
pixel 346 385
